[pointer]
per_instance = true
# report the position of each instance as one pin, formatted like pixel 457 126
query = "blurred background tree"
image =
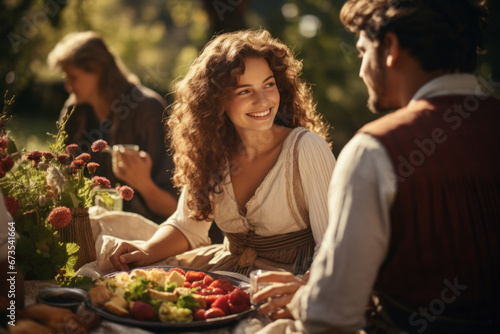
pixel 157 40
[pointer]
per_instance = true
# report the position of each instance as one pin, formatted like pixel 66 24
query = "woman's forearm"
pixel 158 200
pixel 167 241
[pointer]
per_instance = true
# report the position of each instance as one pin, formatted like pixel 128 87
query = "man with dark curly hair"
pixel 414 203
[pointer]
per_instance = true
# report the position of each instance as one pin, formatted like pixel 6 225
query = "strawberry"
pixel 238 297
pixel 221 302
pixel 214 313
pixel 193 276
pixel 207 280
pixel 237 308
pixel 199 314
pixel 179 270
pixel 218 291
pixel 197 284
pixel 222 283
pixel 211 298
pixel 142 311
pixel 186 285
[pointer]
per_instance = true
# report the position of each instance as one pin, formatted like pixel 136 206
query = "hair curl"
pixel 442 34
pixel 202 136
pixel 87 51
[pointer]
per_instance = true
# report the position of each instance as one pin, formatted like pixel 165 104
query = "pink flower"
pixel 92 167
pixel 4 142
pixel 71 149
pixel 35 156
pixel 126 192
pixel 12 205
pixel 6 164
pixel 63 159
pixel 84 156
pixel 77 164
pixel 60 217
pixel 99 145
pixel 101 181
pixel 48 156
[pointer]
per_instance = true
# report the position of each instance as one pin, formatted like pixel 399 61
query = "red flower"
pixel 84 156
pixel 101 181
pixel 77 163
pixel 4 142
pixel 92 166
pixel 48 156
pixel 35 156
pixel 99 145
pixel 63 159
pixel 60 217
pixel 6 164
pixel 71 149
pixel 12 205
pixel 2 173
pixel 126 192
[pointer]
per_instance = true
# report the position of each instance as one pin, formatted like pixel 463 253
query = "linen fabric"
pixel 275 209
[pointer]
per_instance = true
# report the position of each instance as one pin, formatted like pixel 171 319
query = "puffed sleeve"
pixel 195 232
pixel 316 164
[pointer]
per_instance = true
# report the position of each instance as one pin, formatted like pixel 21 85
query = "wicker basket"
pixel 79 231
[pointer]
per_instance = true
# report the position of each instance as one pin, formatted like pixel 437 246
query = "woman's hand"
pixel 277 295
pixel 127 255
pixel 134 168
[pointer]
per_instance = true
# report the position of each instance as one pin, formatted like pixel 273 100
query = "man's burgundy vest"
pixel 444 253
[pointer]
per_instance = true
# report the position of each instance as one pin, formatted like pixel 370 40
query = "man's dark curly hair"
pixel 443 34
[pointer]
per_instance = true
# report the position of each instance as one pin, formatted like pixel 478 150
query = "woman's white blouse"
pixel 272 209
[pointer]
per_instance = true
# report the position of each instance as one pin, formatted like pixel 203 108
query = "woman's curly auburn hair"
pixel 202 137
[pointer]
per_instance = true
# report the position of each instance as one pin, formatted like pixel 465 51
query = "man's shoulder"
pixel 398 118
pixel 432 108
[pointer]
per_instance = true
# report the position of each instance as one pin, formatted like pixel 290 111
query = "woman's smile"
pixel 260 115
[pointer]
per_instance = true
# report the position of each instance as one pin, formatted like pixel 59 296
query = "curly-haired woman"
pixel 251 154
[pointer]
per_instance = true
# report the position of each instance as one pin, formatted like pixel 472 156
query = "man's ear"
pixel 392 48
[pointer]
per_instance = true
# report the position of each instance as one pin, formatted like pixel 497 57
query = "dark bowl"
pixel 70 298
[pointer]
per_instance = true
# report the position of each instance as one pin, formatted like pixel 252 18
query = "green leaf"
pixel 138 290
pixel 82 282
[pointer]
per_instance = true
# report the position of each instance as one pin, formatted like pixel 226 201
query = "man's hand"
pixel 277 295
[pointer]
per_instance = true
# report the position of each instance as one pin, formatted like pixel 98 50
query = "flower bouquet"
pixel 48 195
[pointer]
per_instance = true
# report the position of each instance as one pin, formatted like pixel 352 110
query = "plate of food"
pixel 165 297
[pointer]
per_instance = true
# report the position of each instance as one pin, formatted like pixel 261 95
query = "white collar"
pixel 449 84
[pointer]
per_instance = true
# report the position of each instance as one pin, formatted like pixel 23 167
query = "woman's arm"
pixel 175 236
pixel 167 241
pixel 316 165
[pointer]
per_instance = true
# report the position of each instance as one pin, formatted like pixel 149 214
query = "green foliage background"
pixel 157 40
